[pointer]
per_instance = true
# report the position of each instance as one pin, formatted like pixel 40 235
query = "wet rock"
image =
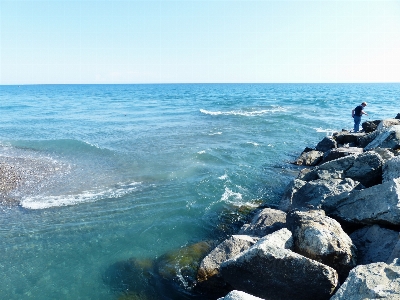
pixel 375 244
pixel 397 116
pixel 270 270
pixel 379 204
pixel 321 238
pixel 177 269
pixel 265 221
pixel 132 276
pixel 238 295
pixel 372 281
pixel 208 277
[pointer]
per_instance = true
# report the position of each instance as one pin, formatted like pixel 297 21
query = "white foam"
pixel 223 177
pixel 42 202
pixel 329 132
pixel 250 113
pixel 201 152
pixel 253 143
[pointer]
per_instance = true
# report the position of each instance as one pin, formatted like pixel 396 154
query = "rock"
pixel 208 274
pixel 365 168
pixel 345 137
pixel 388 138
pixel 313 193
pixel 326 144
pixel 384 125
pixel 385 154
pixel 238 295
pixel 336 153
pixel 375 244
pixel 321 238
pixel 270 271
pixel 373 281
pixel 266 221
pixel 177 269
pixel 365 139
pixel 310 158
pixel 131 276
pixel 391 169
pixel 370 126
pixel 397 116
pixel 290 191
pixel 379 204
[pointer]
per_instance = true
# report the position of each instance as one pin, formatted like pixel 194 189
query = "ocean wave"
pixel 246 113
pixel 329 132
pixel 43 202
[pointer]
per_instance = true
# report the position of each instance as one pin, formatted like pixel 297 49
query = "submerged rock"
pixel 372 281
pixel 178 268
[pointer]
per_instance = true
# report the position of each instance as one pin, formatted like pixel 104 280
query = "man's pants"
pixel 357 121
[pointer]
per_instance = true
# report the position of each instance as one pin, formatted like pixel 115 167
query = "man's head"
pixel 364 104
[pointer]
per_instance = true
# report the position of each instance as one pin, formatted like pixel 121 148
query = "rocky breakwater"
pixel 334 234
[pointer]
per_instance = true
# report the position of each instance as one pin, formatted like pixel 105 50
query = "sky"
pixel 199 41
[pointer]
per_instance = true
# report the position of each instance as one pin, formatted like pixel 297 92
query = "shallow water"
pixel 110 172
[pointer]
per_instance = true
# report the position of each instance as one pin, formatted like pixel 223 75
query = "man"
pixel 357 113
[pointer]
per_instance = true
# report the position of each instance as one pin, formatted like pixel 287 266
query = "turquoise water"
pixel 110 172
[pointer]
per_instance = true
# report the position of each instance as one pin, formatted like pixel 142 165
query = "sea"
pixel 100 174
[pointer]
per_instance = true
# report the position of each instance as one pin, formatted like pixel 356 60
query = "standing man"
pixel 357 113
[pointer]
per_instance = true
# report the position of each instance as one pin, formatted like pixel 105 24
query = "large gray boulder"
pixel 379 204
pixel 387 123
pixel 365 168
pixel 387 138
pixel 313 193
pixel 321 238
pixel 373 281
pixel 270 270
pixel 336 153
pixel 391 169
pixel 238 295
pixel 208 275
pixel 265 221
pixel 287 198
pixel 375 244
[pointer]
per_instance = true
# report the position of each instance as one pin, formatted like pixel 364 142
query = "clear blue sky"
pixel 112 41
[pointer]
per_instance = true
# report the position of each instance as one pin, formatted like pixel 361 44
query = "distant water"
pixel 110 172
